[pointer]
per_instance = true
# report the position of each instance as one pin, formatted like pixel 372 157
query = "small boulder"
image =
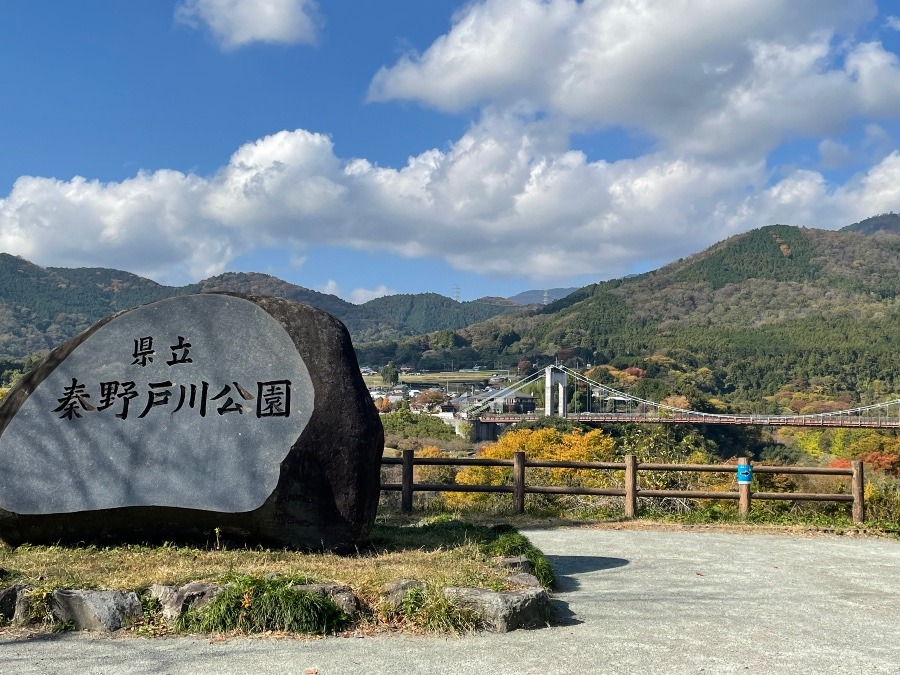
pixel 23 613
pixel 340 594
pixel 394 592
pixel 519 563
pixel 95 610
pixel 176 601
pixel 8 599
pixel 524 579
pixel 503 612
pixel 166 596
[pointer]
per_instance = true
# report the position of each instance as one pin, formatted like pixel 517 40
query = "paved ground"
pixel 636 602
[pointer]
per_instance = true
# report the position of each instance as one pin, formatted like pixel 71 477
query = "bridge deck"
pixel 844 421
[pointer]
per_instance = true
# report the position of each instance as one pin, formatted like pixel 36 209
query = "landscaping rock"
pixel 8 598
pixel 167 597
pixel 95 610
pixel 340 594
pixel 503 612
pixel 176 601
pixel 241 415
pixel 394 592
pixel 524 579
pixel 23 613
pixel 519 563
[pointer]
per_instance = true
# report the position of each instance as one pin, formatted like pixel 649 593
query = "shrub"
pixel 431 611
pixel 252 605
pixel 547 444
pixel 512 543
pixel 410 425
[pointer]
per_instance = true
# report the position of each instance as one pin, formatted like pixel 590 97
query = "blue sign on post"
pixel 744 474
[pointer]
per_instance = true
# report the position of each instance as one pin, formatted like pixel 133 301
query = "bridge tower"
pixel 553 375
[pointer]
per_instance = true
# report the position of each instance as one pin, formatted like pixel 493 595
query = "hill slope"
pixel 759 311
pixel 887 223
pixel 537 297
pixel 425 312
pixel 42 307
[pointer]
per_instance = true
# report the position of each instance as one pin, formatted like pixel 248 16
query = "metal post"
pixel 859 491
pixel 631 488
pixel 406 494
pixel 519 482
pixel 744 492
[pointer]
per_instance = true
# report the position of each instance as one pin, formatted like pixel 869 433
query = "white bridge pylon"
pixel 617 406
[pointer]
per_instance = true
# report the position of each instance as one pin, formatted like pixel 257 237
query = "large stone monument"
pixel 235 414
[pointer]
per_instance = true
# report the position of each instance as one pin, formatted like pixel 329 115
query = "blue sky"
pixel 369 147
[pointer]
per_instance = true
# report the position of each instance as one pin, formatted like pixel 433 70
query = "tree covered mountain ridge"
pixel 770 306
pixel 41 307
pixel 773 308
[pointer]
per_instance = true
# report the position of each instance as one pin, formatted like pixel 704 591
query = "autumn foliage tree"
pixel 539 444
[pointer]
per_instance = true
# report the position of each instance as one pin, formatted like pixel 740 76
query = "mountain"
pixel 362 321
pixel 886 223
pixel 42 307
pixel 772 310
pixel 775 307
pixel 539 297
pixel 426 312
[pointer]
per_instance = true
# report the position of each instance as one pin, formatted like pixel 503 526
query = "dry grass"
pixel 128 568
pixel 440 551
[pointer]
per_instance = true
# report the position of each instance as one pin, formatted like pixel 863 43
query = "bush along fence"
pixel 631 492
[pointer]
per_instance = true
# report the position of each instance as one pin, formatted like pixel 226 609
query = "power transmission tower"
pixel 456 292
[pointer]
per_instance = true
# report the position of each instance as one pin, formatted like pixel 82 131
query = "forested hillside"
pixel 775 310
pixel 425 312
pixel 42 307
pixel 887 223
pixel 538 297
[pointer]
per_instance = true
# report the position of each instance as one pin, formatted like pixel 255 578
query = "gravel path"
pixel 634 602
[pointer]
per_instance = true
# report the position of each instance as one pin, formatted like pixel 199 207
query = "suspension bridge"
pixel 603 404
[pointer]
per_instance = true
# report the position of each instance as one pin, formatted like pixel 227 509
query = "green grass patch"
pixel 429 610
pixel 509 542
pixel 254 605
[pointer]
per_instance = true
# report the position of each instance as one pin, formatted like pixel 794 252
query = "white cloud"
pixel 508 198
pixel 716 78
pixel 331 287
pixel 149 223
pixel 235 23
pixel 361 295
pixel 717 85
pixel 358 295
pixel 893 22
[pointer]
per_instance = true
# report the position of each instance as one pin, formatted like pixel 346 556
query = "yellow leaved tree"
pixel 539 444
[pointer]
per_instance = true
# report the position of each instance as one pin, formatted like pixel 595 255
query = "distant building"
pixel 521 404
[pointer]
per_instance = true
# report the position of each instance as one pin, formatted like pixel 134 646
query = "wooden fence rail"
pixel 631 492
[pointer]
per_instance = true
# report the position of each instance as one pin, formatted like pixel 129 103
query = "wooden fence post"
pixel 630 486
pixel 406 494
pixel 744 492
pixel 859 490
pixel 519 482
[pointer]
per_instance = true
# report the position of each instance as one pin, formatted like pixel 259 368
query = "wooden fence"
pixel 631 492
